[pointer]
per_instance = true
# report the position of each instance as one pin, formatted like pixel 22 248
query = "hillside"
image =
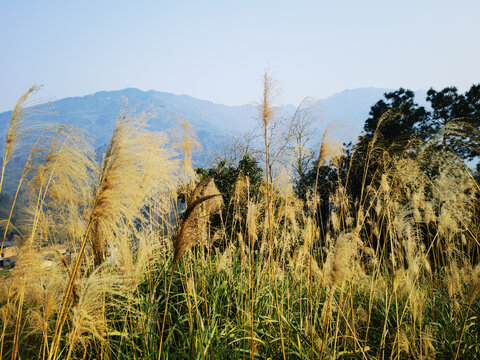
pixel 213 123
pixel 97 112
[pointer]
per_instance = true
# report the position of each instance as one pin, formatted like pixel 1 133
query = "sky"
pixel 218 50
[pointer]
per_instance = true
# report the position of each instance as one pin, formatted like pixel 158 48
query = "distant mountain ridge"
pixel 97 113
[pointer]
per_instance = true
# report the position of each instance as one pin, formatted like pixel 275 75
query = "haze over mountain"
pixel 212 122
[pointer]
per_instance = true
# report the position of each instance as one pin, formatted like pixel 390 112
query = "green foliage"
pixel 397 125
pixel 229 175
pixel 226 180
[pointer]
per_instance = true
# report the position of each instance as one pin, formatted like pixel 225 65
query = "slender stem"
pixel 165 312
pixel 66 299
pixel 270 235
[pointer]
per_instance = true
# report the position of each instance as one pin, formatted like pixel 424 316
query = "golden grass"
pixel 268 281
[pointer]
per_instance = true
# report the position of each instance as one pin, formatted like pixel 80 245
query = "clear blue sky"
pixel 217 50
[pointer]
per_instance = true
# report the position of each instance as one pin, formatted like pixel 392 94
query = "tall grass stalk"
pixel 389 272
pixel 267 115
pixel 15 132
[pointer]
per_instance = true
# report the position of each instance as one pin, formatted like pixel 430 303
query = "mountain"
pixel 349 109
pixel 98 112
pixel 212 122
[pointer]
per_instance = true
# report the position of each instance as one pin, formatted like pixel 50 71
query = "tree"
pixel 226 180
pixel 306 114
pixel 394 124
pixel 462 113
pixel 229 175
pixel 403 120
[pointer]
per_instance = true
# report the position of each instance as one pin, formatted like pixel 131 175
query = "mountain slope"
pixel 98 112
pixel 213 123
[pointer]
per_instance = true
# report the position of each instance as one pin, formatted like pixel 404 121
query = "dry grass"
pixel 204 201
pixel 394 275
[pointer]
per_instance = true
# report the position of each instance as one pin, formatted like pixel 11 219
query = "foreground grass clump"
pixel 250 272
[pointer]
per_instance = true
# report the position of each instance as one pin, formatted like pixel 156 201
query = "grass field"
pixel 391 275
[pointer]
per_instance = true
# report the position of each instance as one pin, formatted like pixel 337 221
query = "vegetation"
pixel 368 252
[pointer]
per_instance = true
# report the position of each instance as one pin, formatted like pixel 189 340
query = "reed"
pixel 390 274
